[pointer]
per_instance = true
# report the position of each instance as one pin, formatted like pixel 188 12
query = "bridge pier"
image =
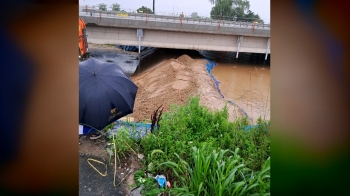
pixel 139 34
pixel 268 47
pixel 239 40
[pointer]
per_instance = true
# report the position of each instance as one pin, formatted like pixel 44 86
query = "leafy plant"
pixel 151 188
pixel 192 124
pixel 217 167
pixel 123 143
pixel 216 174
pixel 140 177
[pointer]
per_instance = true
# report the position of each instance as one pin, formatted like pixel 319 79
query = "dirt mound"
pixel 173 82
pixel 185 59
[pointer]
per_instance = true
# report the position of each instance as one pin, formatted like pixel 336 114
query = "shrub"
pixel 192 124
pixel 184 127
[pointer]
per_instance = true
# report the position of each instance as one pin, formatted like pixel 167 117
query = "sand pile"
pixel 185 60
pixel 173 82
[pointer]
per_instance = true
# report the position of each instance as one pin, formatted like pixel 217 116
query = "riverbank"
pixel 171 81
pixel 244 100
pixel 174 81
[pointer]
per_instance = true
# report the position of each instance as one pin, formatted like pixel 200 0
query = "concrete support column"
pixel 139 45
pixel 268 47
pixel 239 40
pixel 139 34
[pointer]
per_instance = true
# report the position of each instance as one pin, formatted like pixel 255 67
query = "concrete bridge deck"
pixel 175 32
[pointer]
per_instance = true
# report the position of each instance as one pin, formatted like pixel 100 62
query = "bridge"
pixel 161 31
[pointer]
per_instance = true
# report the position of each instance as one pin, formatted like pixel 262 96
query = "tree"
pixel 194 15
pixel 143 9
pixel 241 7
pixel 233 9
pixel 115 7
pixel 102 7
pixel 222 8
pixel 251 17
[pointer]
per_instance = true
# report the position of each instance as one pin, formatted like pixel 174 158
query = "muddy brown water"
pixel 248 86
pixel 244 80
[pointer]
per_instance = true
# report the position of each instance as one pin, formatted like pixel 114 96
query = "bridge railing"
pixel 224 21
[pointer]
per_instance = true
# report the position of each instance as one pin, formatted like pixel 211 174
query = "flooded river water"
pixel 244 80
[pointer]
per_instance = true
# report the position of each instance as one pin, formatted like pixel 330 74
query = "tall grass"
pixel 201 153
pixel 192 124
pixel 212 173
pixel 125 142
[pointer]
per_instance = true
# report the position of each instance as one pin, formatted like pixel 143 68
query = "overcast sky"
pixel 202 7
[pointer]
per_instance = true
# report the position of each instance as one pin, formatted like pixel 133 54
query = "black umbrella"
pixel 105 93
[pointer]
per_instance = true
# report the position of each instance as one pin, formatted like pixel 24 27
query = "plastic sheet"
pixel 132 48
pixel 161 180
pixel 140 129
pixel 249 127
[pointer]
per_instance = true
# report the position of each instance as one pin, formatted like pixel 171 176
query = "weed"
pixel 193 124
pixel 216 167
pixel 216 174
pixel 155 118
pixel 123 142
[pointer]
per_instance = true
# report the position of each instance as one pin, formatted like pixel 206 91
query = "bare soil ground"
pixel 91 182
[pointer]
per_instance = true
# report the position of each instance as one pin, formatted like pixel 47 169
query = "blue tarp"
pixel 140 128
pixel 210 65
pixel 131 48
pixel 247 128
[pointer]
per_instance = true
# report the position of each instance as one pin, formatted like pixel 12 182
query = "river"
pixel 244 80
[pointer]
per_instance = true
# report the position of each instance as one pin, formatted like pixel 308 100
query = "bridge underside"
pixel 177 40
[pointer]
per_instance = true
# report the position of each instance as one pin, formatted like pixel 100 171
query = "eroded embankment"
pixel 173 82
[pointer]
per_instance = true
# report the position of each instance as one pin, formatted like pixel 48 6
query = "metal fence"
pixel 224 21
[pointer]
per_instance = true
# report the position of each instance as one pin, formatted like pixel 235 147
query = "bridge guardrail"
pixel 145 16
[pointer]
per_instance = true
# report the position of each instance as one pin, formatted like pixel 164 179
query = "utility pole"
pixel 154 12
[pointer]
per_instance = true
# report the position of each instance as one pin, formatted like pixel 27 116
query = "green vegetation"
pixel 201 153
pixel 233 10
pixel 102 7
pixel 126 140
pixel 115 7
pixel 213 173
pixel 144 9
pixel 193 124
pixel 124 143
